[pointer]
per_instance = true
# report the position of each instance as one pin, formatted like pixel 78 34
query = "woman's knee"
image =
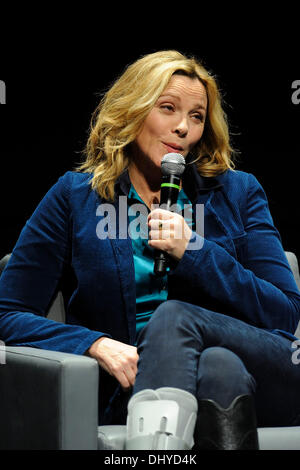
pixel 219 360
pixel 222 376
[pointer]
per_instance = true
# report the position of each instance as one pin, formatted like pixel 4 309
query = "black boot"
pixel 232 428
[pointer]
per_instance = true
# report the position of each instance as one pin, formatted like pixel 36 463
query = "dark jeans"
pixel 216 356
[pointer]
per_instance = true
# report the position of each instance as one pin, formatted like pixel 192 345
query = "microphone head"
pixel 173 164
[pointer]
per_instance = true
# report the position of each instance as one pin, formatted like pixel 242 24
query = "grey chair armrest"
pixel 284 438
pixel 48 400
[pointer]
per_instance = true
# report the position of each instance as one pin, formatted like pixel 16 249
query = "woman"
pixel 212 335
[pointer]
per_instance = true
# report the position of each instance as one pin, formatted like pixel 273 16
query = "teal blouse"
pixel 151 290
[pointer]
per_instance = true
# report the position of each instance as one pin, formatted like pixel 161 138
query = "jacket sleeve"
pixel 262 290
pixel 30 280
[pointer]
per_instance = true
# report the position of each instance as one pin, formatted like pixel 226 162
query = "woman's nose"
pixel 181 128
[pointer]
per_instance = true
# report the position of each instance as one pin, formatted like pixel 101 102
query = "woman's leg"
pixel 222 376
pixel 171 350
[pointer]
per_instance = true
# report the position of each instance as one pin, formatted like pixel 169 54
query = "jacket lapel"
pixel 122 248
pixel 210 193
pixel 215 218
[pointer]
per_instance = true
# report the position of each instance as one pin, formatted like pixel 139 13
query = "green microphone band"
pixel 170 185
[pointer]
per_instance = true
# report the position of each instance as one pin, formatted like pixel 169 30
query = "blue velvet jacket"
pixel 240 270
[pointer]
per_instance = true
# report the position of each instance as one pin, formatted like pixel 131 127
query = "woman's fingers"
pixel 118 359
pixel 169 232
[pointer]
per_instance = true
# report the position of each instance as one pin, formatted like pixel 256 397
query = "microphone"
pixel 172 167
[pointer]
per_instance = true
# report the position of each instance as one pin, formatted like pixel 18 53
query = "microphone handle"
pixel 170 188
pixel 161 262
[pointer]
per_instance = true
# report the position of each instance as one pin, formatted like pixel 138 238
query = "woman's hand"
pixel 118 359
pixel 169 232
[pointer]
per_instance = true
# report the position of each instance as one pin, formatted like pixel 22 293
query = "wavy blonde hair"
pixel 120 115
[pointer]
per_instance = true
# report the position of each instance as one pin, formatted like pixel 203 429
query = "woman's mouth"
pixel 173 147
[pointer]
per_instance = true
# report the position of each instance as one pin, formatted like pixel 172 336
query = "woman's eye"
pixel 168 107
pixel 198 117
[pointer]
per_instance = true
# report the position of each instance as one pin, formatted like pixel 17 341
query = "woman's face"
pixel 176 122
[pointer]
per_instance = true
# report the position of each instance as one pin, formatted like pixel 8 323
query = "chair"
pixel 49 400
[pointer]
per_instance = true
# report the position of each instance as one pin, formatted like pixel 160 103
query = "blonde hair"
pixel 120 115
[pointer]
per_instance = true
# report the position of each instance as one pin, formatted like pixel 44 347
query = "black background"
pixel 54 68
